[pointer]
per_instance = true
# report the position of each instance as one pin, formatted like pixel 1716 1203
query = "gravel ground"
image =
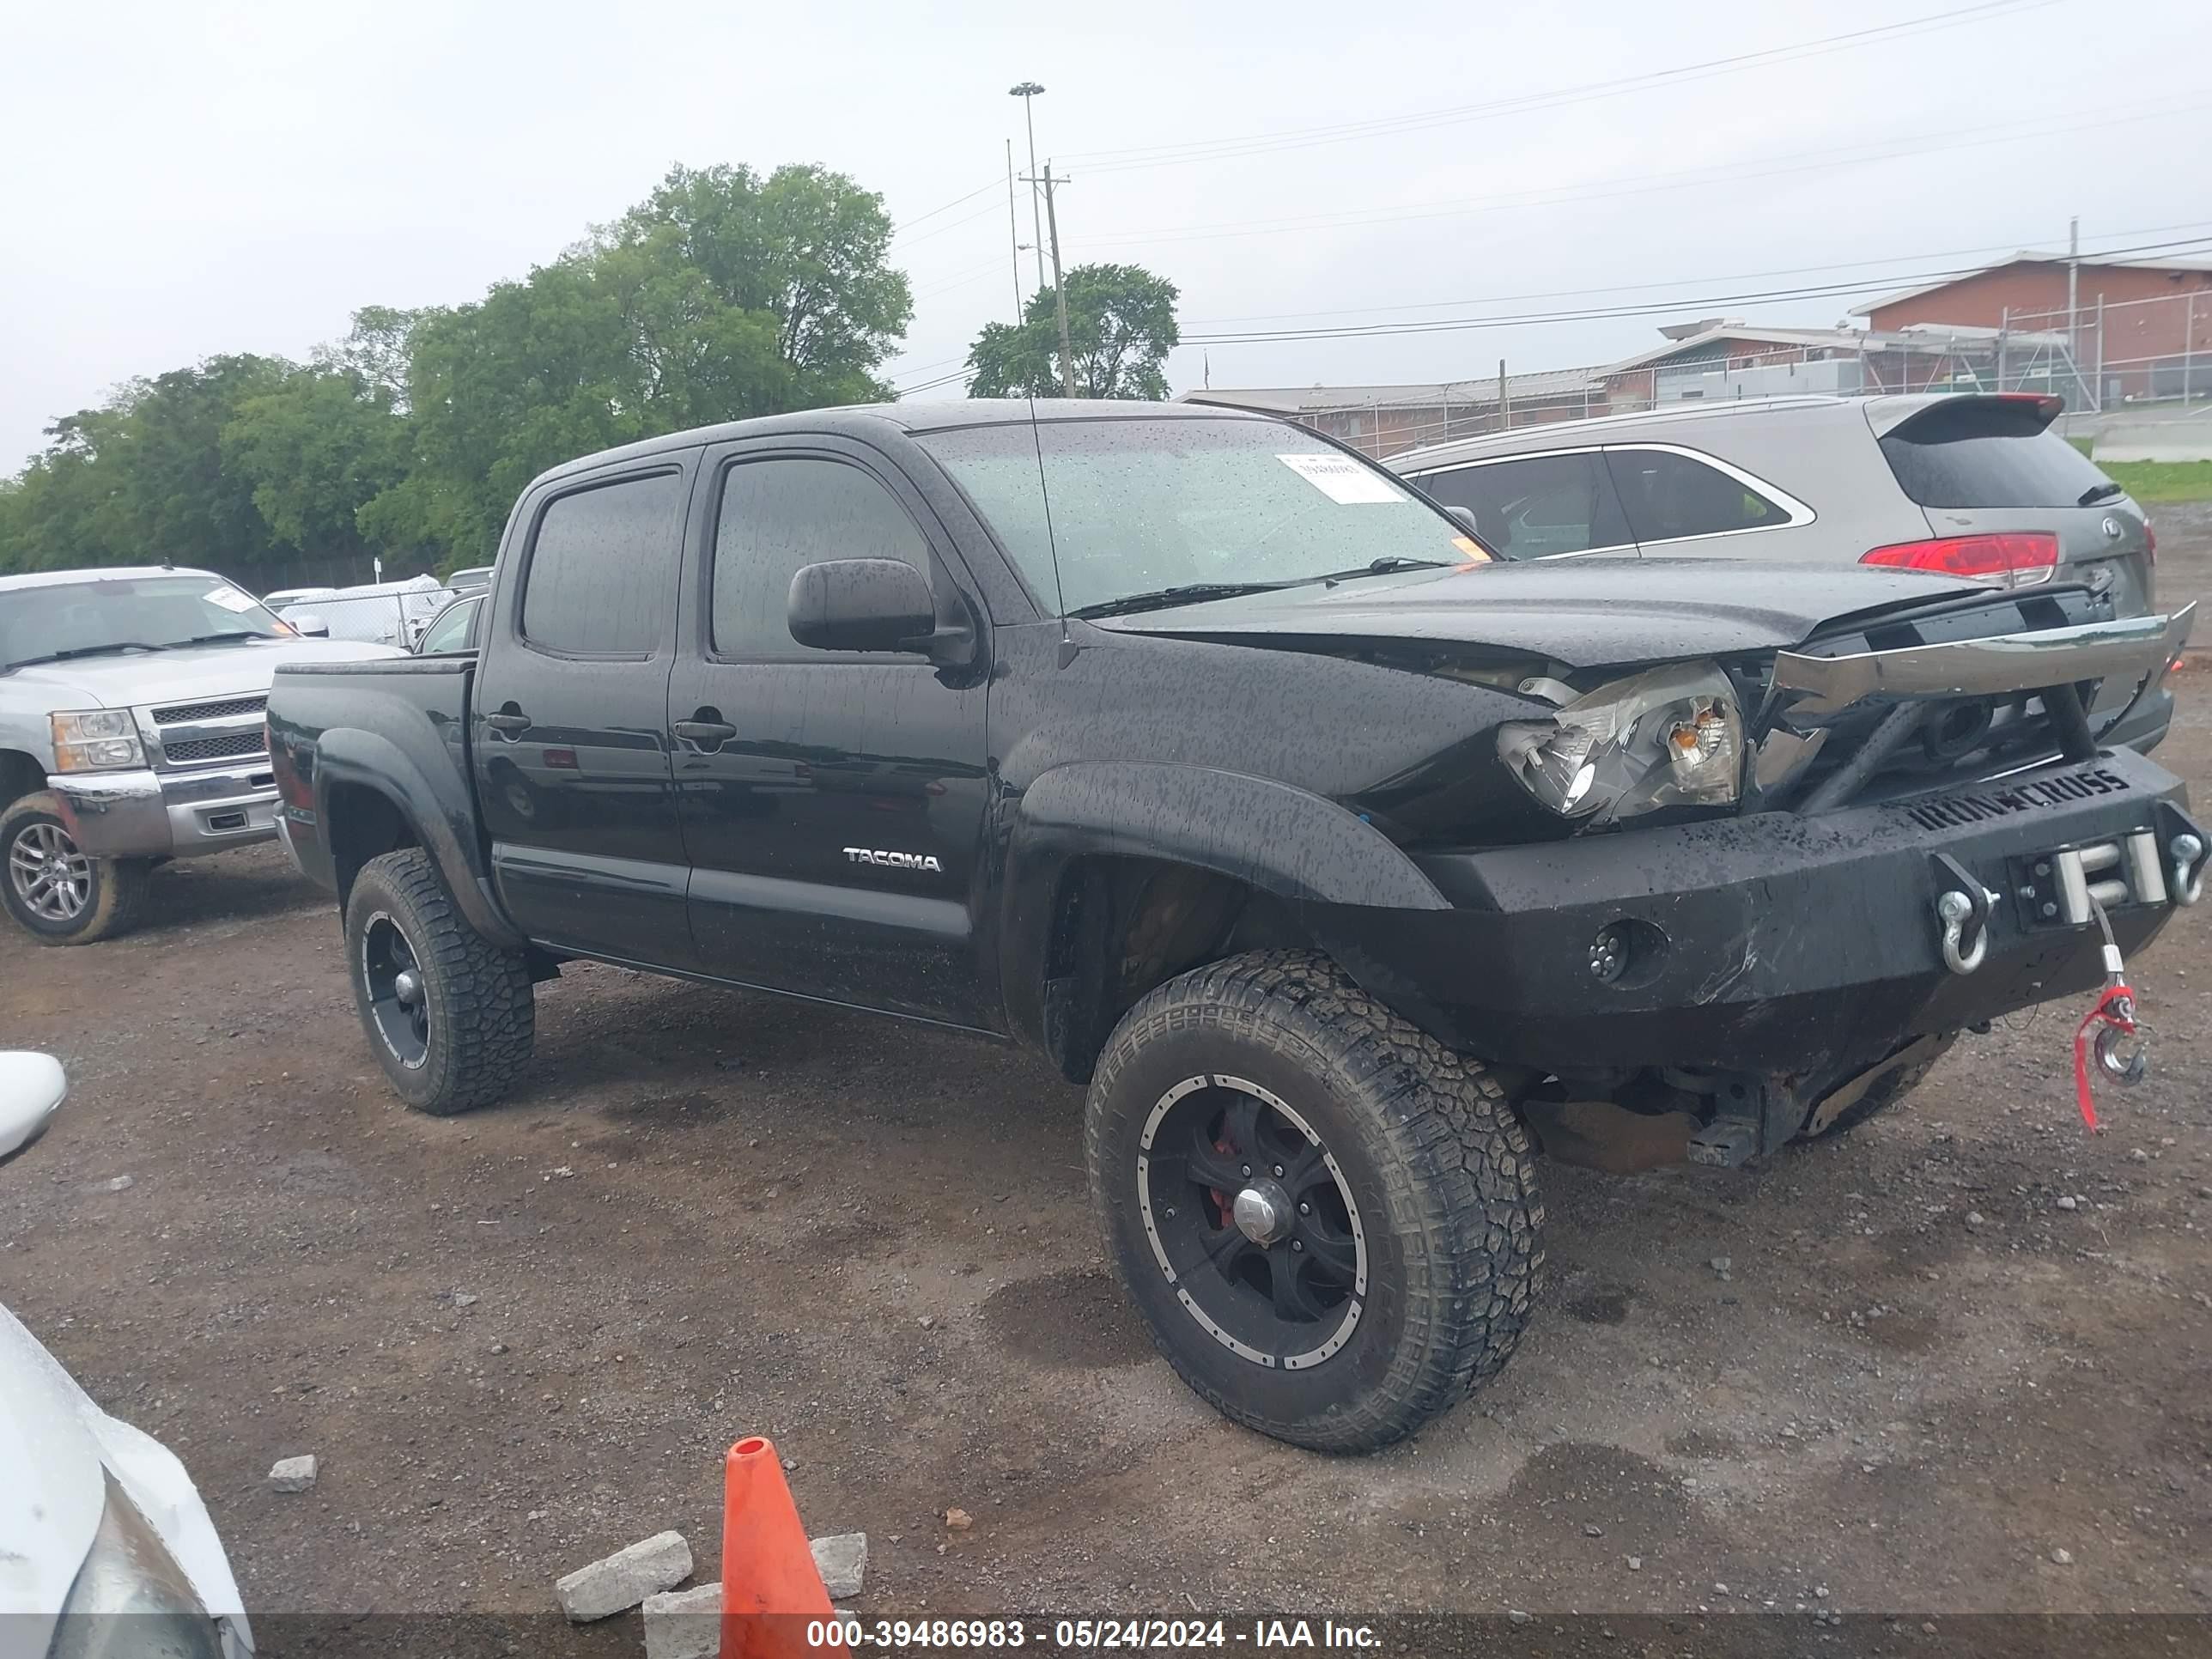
pixel 519 1340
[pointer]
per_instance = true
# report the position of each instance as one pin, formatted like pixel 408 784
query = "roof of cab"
pixel 119 573
pixel 864 420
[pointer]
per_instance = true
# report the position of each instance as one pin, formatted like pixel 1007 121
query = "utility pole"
pixel 1014 233
pixel 1059 286
pixel 2073 298
pixel 1504 408
pixel 1026 91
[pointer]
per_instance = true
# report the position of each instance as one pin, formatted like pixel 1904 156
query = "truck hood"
pixel 139 677
pixel 1585 613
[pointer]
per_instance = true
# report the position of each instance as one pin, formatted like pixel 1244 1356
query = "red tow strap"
pixel 2115 1009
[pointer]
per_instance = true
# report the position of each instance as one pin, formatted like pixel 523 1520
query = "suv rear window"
pixel 1984 454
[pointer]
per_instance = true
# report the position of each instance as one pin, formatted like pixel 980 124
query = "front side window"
pixel 601 579
pixel 1668 496
pixel 1138 506
pixel 1536 508
pixel 780 515
pixel 453 631
pixel 123 614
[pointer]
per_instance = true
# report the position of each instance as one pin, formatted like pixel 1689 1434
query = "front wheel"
pixel 57 892
pixel 1328 1220
pixel 449 1014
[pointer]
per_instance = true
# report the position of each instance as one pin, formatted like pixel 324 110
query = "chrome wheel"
pixel 52 878
pixel 1252 1221
pixel 399 1001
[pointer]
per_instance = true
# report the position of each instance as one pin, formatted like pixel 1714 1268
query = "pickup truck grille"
pixel 191 713
pixel 207 749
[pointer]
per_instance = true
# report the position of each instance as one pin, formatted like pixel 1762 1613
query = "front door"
pixel 569 719
pixel 832 803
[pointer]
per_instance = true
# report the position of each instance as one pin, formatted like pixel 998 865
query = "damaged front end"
pixel 1786 886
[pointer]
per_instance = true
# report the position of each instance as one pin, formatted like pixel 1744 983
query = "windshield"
pixel 39 624
pixel 1142 506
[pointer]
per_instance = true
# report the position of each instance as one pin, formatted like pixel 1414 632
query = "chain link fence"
pixel 395 614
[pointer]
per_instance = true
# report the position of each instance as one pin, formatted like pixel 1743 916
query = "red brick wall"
pixel 1983 299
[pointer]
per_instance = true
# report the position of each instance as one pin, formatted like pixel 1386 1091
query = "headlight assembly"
pixel 131 1597
pixel 1668 737
pixel 95 740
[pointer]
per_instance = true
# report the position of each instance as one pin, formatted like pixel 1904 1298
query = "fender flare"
pixel 1274 837
pixel 444 823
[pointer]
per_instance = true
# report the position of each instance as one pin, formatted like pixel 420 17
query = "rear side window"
pixel 1537 507
pixel 601 579
pixel 1668 496
pixel 1981 454
pixel 778 515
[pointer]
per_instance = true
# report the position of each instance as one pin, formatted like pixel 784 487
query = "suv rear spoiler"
pixel 2137 648
pixel 1888 415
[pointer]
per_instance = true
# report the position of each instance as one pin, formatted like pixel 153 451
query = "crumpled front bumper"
pixel 148 814
pixel 1778 944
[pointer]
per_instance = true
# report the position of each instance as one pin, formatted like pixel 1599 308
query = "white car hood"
pixel 54 1444
pixel 147 676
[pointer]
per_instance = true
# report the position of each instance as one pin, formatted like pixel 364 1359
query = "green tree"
pixel 721 297
pixel 1120 326
pixel 315 450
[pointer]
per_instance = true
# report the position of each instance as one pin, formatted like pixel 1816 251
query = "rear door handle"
pixel 705 731
pixel 508 724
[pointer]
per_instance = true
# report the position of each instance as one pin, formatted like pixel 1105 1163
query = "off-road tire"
pixel 1440 1167
pixel 1884 1093
pixel 483 1016
pixel 118 896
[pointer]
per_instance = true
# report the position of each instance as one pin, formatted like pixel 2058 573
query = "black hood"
pixel 1585 613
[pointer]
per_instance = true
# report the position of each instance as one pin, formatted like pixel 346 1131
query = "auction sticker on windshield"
pixel 1343 479
pixel 231 600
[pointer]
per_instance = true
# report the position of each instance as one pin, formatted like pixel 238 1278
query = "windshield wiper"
pixel 1162 599
pixel 2103 492
pixel 85 650
pixel 1382 567
pixel 218 639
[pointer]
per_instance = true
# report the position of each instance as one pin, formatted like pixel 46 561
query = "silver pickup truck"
pixel 131 731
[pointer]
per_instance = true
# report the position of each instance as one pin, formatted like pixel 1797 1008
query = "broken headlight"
pixel 1668 737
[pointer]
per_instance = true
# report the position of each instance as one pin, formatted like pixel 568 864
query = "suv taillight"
pixel 2010 558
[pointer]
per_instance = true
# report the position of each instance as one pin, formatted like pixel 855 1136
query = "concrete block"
pixel 685 1624
pixel 292 1473
pixel 843 1561
pixel 624 1578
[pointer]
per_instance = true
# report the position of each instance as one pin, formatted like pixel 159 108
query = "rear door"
pixel 569 728
pixel 1538 506
pixel 833 803
pixel 1684 504
pixel 1982 464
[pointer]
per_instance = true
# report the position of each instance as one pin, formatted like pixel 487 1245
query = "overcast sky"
pixel 186 180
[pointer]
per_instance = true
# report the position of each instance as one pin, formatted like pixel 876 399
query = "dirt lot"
pixel 521 1339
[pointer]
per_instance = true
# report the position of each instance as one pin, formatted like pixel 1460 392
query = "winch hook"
pixel 2112 1021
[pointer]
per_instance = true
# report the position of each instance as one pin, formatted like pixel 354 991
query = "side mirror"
pixel 31 1090
pixel 1465 519
pixel 861 605
pixel 309 627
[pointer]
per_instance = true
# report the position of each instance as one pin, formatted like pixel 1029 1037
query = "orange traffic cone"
pixel 771 1592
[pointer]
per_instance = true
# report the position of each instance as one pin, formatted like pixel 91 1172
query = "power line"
pixel 905 225
pixel 1298 138
pixel 2014 244
pixel 1826 290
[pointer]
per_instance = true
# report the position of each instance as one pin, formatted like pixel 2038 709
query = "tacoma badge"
pixel 896 860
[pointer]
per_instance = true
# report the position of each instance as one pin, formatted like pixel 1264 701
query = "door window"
pixel 453 631
pixel 780 515
pixel 601 578
pixel 1668 496
pixel 1537 507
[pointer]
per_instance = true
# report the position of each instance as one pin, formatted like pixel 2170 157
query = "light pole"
pixel 1026 91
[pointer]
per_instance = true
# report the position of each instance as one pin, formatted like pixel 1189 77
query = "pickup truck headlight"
pixel 130 1598
pixel 95 740
pixel 1668 737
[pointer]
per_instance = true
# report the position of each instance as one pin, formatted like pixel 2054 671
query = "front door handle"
pixel 508 723
pixel 705 733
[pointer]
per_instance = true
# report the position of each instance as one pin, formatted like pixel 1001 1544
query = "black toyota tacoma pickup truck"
pixel 1349 867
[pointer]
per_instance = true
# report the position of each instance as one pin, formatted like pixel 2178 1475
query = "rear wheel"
pixel 58 893
pixel 449 1015
pixel 1328 1220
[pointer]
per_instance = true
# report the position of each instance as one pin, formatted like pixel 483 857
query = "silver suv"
pixel 131 731
pixel 1974 485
